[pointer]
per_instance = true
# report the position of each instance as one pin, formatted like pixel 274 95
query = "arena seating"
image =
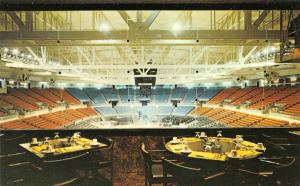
pixel 178 93
pixel 125 110
pixel 17 124
pixel 40 122
pixel 2 114
pixel 293 110
pixel 38 97
pixel 191 95
pixel 78 94
pixel 16 102
pixel 292 99
pixel 4 106
pixel 240 93
pixel 65 96
pixel 286 98
pixel 106 111
pixel 268 97
pixel 126 94
pixel 250 93
pixel 223 95
pixel 33 99
pixel 24 97
pixel 237 119
pixel 92 123
pixel 161 95
pixel 52 120
pixel 208 93
pixel 182 110
pixel 95 95
pixel 110 94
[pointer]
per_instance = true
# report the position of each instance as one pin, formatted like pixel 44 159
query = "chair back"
pixel 182 175
pixel 110 145
pixel 70 162
pixel 147 162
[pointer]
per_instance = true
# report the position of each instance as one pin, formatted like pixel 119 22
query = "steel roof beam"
pixel 150 35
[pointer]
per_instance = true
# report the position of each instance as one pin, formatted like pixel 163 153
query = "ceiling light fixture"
pixel 104 27
pixel 15 51
pixel 177 27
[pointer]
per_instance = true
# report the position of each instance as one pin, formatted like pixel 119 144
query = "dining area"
pixel 217 160
pixel 56 160
pixel 172 157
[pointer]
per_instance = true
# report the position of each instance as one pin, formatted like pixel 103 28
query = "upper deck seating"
pixel 273 97
pixel 182 110
pixel 64 95
pixel 78 94
pixel 240 93
pixel 16 102
pixel 110 94
pixel 47 94
pixel 38 97
pixel 95 95
pixel 223 95
pixel 178 93
pixel 161 95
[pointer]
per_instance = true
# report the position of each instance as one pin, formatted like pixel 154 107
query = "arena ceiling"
pixel 105 46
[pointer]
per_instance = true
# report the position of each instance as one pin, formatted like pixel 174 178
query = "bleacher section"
pixel 27 100
pixel 182 110
pixel 192 94
pixel 231 118
pixel 64 95
pixel 52 120
pixel 95 95
pixel 208 93
pixel 161 95
pixel 221 96
pixel 110 94
pixel 78 94
pixel 178 93
pixel 106 110
pixel 286 99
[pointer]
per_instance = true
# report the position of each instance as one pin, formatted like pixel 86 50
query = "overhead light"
pixel 15 51
pixel 294 78
pixel 177 27
pixel 265 51
pixel 104 27
pixel 22 54
pixel 273 49
pixel 258 54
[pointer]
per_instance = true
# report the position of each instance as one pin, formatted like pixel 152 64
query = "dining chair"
pixel 60 171
pixel 152 167
pixel 182 175
pixel 103 158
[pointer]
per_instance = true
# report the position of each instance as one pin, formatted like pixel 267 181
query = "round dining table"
pixel 215 148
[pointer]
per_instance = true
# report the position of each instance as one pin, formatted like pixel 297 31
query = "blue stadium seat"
pixel 209 93
pixel 78 94
pixel 110 94
pixel 178 93
pixel 95 95
pixel 182 110
pixel 106 111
